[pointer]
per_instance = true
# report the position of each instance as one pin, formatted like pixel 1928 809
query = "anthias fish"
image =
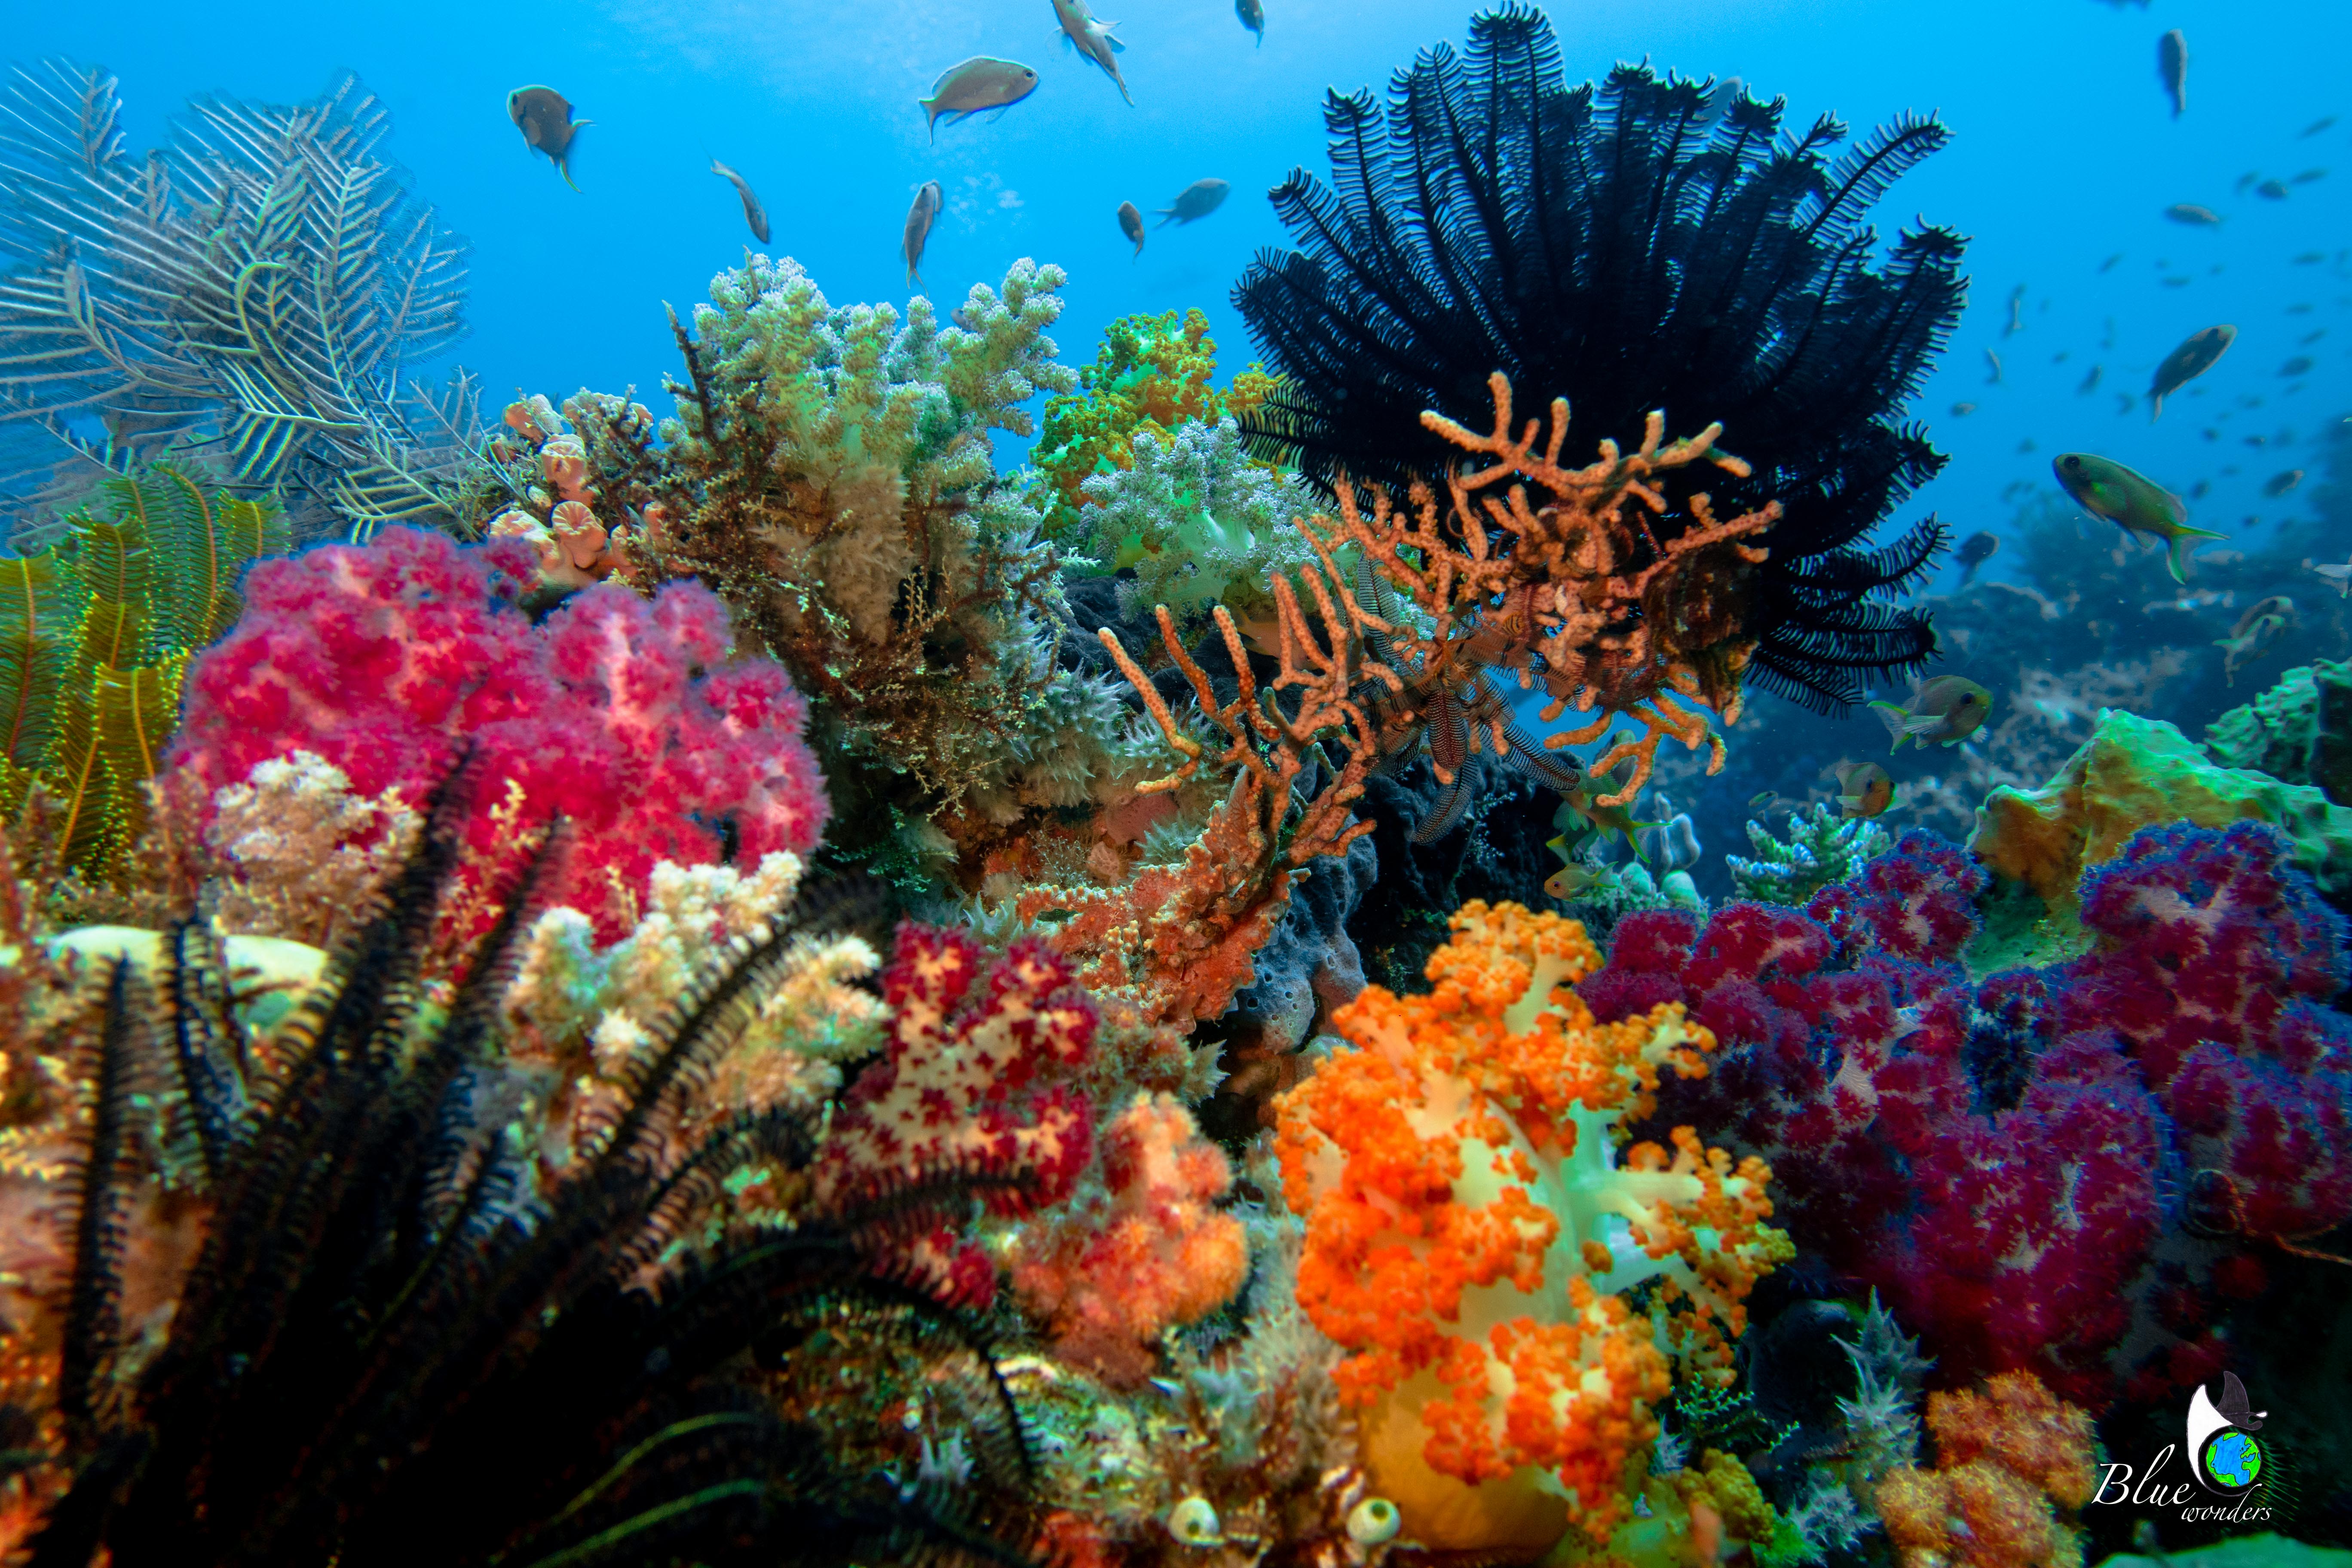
pixel 2172 67
pixel 753 213
pixel 2194 356
pixel 1864 789
pixel 2192 214
pixel 1252 15
pixel 919 218
pixel 1974 551
pixel 1943 712
pixel 545 120
pixel 980 83
pixel 1093 39
pixel 1130 224
pixel 1197 200
pixel 2133 502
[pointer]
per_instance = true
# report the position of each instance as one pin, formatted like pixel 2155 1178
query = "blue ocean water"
pixel 2066 154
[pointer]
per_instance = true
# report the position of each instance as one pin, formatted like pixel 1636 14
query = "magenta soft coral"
pixel 2002 1158
pixel 977 1081
pixel 629 717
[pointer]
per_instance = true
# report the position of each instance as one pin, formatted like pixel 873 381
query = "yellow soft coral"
pixel 2008 1461
pixel 1472 1230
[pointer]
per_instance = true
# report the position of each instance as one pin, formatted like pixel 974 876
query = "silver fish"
pixel 919 218
pixel 753 213
pixel 980 83
pixel 1093 39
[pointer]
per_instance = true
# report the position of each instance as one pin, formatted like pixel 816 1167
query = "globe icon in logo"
pixel 2232 1460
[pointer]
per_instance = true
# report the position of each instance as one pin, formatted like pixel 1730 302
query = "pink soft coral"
pixel 628 717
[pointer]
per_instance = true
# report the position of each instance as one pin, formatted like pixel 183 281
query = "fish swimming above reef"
pixel 980 83
pixel 1130 224
pixel 1943 712
pixel 1093 39
pixel 2278 484
pixel 1974 551
pixel 2251 636
pixel 2193 216
pixel 1864 789
pixel 2133 502
pixel 545 120
pixel 753 213
pixel 1252 15
pixel 2172 68
pixel 1581 811
pixel 1578 879
pixel 2339 576
pixel 919 218
pixel 2272 190
pixel 1197 200
pixel 2194 355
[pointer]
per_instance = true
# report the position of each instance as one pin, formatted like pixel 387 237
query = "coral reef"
pixel 1473 1229
pixel 1994 1155
pixel 2134 772
pixel 262 286
pixel 388 661
pixel 2012 1464
pixel 96 633
pixel 1150 375
pixel 1503 221
pixel 2299 731
pixel 1822 848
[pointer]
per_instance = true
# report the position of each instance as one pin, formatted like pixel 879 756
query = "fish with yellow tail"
pixel 544 117
pixel 1864 789
pixel 2133 502
pixel 1943 712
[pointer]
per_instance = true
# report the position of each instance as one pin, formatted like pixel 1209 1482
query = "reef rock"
pixel 2300 731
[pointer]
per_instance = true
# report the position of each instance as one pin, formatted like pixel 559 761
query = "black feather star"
pixel 1655 246
pixel 391 1352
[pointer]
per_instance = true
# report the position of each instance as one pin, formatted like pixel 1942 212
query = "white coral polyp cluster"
pixel 300 855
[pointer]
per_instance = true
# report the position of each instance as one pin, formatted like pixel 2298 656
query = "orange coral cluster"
pixel 2008 1461
pixel 1585 598
pixel 1470 1229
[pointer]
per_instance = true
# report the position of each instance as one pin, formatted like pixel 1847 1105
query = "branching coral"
pixel 1822 848
pixel 1652 244
pixel 265 282
pixel 632 717
pixel 95 634
pixel 1473 1228
pixel 1150 375
pixel 2005 1458
pixel 1576 593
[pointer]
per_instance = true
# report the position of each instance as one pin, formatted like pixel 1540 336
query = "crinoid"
pixel 1653 245
pixel 391 1350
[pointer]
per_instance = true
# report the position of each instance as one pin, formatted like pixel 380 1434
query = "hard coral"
pixel 389 660
pixel 1473 1230
pixel 2012 1464
pixel 1994 1156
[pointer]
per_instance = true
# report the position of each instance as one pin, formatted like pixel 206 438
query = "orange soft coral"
pixel 2005 1458
pixel 1145 1251
pixel 1471 1230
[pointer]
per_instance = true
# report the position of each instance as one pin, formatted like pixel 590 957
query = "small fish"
pixel 2299 365
pixel 2314 128
pixel 2311 258
pixel 1864 789
pixel 1974 551
pixel 2308 176
pixel 919 218
pixel 546 122
pixel 2193 216
pixel 2339 575
pixel 1992 362
pixel 2133 502
pixel 1093 39
pixel 2280 483
pixel 1130 224
pixel 2251 639
pixel 1943 712
pixel 753 213
pixel 2090 382
pixel 1730 90
pixel 1197 200
pixel 979 84
pixel 2172 67
pixel 2272 190
pixel 2109 264
pixel 1584 806
pixel 1763 801
pixel 2016 312
pixel 1252 15
pixel 1579 878
pixel 1962 410
pixel 2185 363
pixel 2246 179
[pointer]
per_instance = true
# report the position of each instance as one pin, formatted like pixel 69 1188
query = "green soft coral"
pixel 1151 374
pixel 1199 523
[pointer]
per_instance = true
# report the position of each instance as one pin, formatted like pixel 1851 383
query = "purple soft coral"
pixel 1995 1156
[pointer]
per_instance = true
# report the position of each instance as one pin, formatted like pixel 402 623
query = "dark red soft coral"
pixel 630 716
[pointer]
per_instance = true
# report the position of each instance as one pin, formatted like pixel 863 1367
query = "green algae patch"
pixel 2136 772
